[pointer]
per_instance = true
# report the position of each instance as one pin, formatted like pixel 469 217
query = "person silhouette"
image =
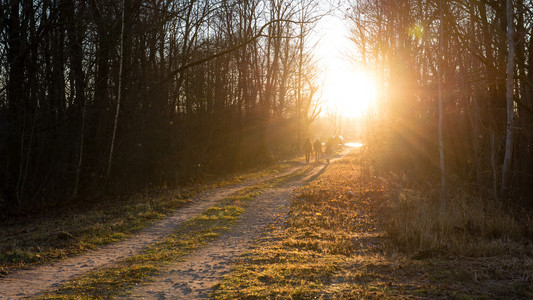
pixel 330 148
pixel 317 145
pixel 308 148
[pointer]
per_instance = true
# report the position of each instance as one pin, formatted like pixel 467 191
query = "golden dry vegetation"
pixel 351 235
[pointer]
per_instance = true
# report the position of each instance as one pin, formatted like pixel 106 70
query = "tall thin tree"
pixel 119 92
pixel 441 140
pixel 509 88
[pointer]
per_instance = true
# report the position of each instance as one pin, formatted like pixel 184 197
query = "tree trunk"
pixel 119 92
pixel 16 100
pixel 509 140
pixel 441 141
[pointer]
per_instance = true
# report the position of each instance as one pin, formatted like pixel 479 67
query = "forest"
pixel 456 92
pixel 154 149
pixel 99 96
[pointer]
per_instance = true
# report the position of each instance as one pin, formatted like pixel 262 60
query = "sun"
pixel 346 87
pixel 349 92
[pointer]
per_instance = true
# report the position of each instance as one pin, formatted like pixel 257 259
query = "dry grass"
pixel 315 251
pixel 471 226
pixel 342 236
pixel 43 237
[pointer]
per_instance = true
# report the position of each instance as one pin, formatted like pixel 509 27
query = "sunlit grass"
pixel 334 245
pixel 311 254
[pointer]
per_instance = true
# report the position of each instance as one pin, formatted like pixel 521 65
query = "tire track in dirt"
pixel 26 283
pixel 195 277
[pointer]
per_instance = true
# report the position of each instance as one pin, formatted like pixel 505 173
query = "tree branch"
pixel 224 52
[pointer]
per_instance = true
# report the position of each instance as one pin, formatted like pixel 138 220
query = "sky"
pixel 346 88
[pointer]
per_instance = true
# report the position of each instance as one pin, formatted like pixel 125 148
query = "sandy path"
pixel 194 278
pixel 25 283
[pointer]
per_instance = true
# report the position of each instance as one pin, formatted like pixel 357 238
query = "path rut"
pixel 195 277
pixel 26 283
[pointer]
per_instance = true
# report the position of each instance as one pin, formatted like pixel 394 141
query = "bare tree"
pixel 439 79
pixel 119 91
pixel 509 87
pixel 476 64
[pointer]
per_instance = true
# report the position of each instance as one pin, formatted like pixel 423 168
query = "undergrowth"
pixel 472 226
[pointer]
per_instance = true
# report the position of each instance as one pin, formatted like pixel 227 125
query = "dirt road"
pixel 194 278
pixel 26 283
pixel 189 280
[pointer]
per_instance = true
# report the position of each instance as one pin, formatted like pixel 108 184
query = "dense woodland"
pixel 472 62
pixel 119 95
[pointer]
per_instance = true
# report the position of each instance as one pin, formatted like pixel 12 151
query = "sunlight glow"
pixel 354 145
pixel 346 88
pixel 349 92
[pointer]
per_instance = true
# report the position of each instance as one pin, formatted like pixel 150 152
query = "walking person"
pixel 317 146
pixel 308 149
pixel 330 148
